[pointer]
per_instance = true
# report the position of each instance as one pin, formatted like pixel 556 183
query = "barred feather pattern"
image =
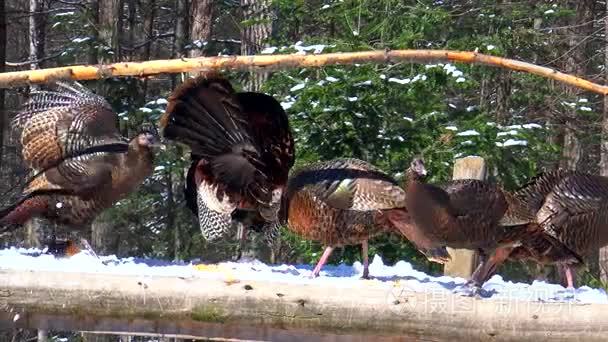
pixel 576 212
pixel 54 125
pixel 340 202
pixel 214 211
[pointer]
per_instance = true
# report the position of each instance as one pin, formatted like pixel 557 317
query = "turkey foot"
pixel 322 261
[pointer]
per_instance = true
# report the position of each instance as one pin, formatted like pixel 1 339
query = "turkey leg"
pixel 365 257
pixel 567 270
pixel 322 261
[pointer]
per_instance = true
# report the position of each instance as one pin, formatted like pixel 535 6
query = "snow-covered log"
pixel 265 310
pixel 268 62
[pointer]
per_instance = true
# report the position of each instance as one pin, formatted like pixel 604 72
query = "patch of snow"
pixel 161 101
pixel 400 81
pixel 514 127
pixel 298 87
pixel 145 110
pixel 331 79
pixel 408 119
pixel 355 33
pixel 451 128
pixel 352 99
pixel 471 108
pixel 59 205
pixel 532 126
pixel 468 133
pixel 512 142
pixel 287 105
pixel 382 76
pixel 394 278
pixel 511 132
pixel 269 50
pixel 460 79
pixel 321 83
pixel 315 48
pixel 325 7
pixel 81 40
pixel 452 105
pixel 585 109
pixel 159 168
pixel 467 143
pixel 549 11
pixel 359 115
pixel 364 83
pixel 583 100
pixel 63 14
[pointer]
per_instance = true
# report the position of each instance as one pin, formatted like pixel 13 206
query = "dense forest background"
pixel 385 114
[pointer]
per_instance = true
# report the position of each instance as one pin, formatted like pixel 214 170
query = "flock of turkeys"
pixel 242 152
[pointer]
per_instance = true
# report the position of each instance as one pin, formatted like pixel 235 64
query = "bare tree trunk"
pixel 34 231
pixel 576 63
pixel 36 32
pixel 2 69
pixel 149 14
pixel 603 253
pixel 254 34
pixel 200 28
pixel 108 16
pixel 503 95
pixel 180 38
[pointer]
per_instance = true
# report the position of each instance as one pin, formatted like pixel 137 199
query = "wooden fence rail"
pixel 150 68
pixel 257 310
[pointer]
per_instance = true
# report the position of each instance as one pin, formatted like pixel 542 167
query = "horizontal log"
pixel 266 62
pixel 257 310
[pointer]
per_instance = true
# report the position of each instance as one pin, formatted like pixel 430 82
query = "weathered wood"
pixel 267 62
pixel 213 308
pixel 464 261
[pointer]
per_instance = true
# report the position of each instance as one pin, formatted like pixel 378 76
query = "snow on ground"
pixel 347 276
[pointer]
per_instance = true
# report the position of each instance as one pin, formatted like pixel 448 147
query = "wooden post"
pixel 464 261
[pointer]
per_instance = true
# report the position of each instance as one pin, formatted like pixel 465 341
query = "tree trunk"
pixel 36 31
pixel 34 231
pixel 200 28
pixel 108 16
pixel 255 30
pixel 576 63
pixel 108 13
pixel 603 253
pixel 2 69
pixel 149 13
pixel 180 38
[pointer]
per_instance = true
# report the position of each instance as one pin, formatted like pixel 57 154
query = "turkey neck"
pixel 131 169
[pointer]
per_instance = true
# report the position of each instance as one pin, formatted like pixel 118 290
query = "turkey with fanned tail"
pixel 242 149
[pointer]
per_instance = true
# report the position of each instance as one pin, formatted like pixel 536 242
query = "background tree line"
pixel 385 114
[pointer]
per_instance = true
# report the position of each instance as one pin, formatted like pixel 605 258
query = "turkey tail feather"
pixel 204 114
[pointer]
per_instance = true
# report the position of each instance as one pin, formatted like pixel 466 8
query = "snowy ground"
pixel 341 275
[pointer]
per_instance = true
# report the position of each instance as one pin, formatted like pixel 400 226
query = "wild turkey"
pixel 571 210
pixel 344 202
pixel 463 214
pixel 70 139
pixel 241 150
